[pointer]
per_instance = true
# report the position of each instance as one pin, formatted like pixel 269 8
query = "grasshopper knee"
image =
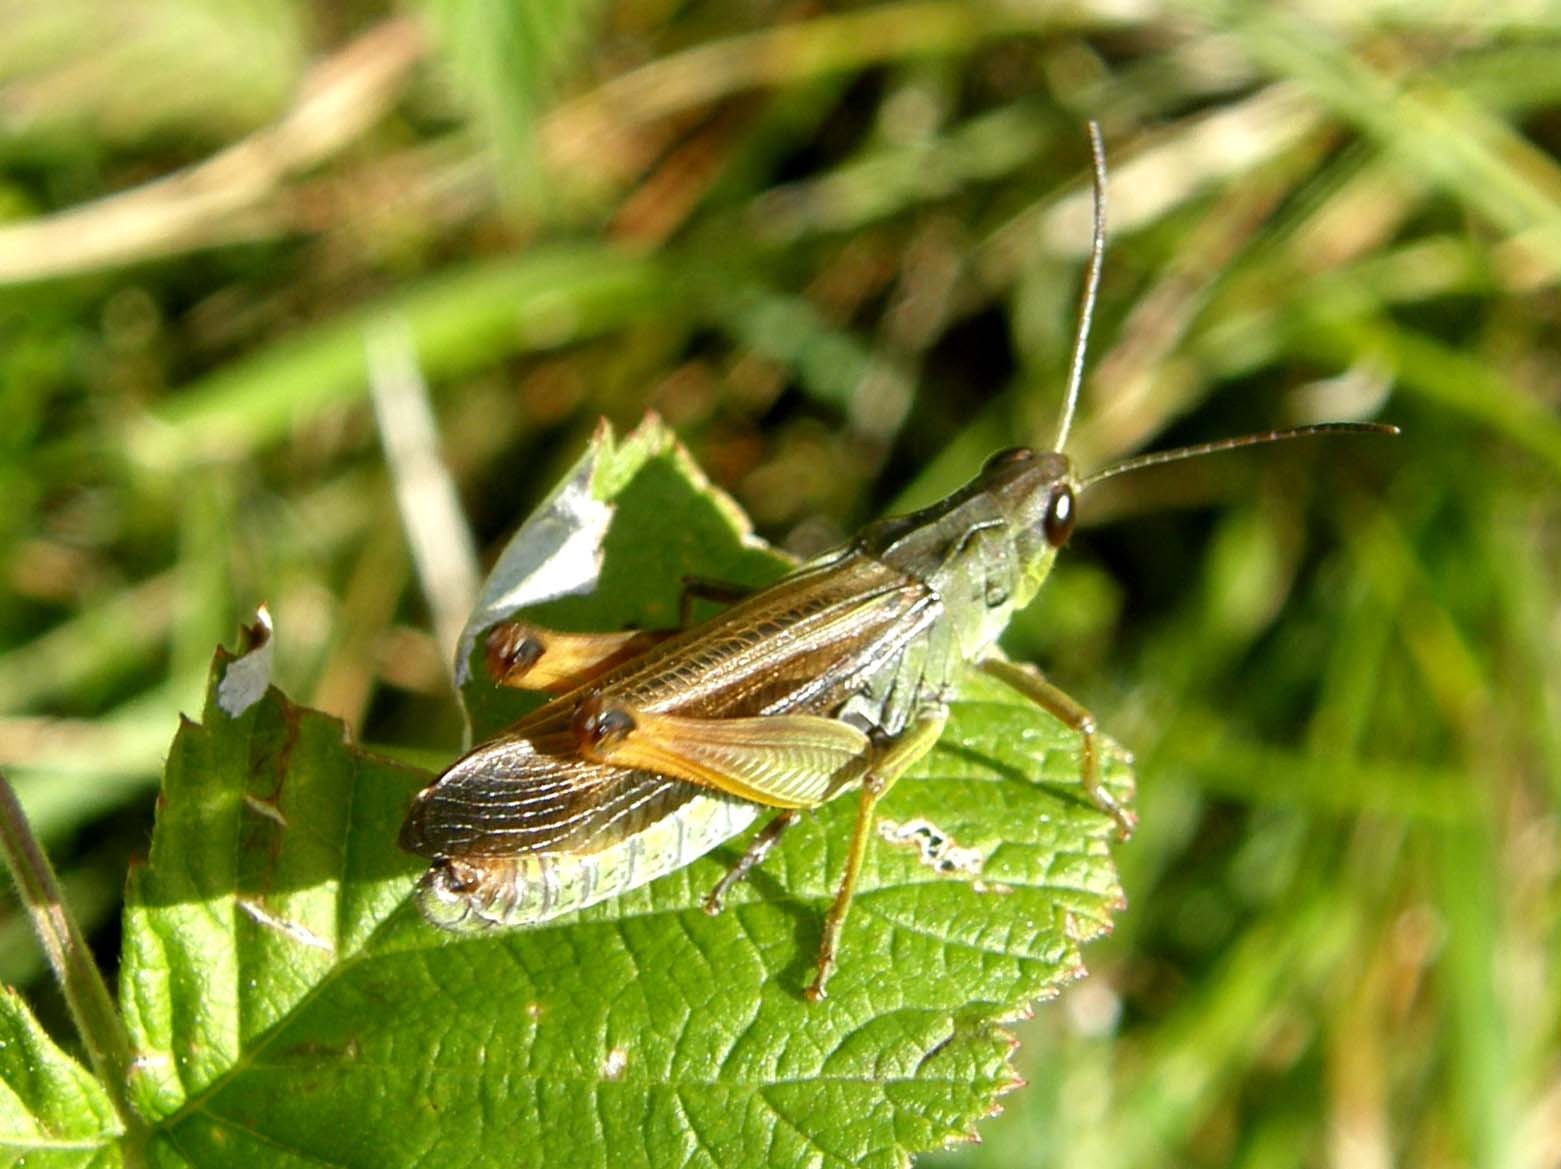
pixel 600 725
pixel 513 649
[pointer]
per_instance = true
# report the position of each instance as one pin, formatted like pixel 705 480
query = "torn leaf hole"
pixel 938 850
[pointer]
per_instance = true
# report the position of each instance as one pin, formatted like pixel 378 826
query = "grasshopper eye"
pixel 1058 524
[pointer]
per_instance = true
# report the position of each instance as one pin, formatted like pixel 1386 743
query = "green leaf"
pixel 288 1006
pixel 52 1112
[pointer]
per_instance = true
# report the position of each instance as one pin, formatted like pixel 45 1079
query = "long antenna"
pixel 1097 255
pixel 1155 458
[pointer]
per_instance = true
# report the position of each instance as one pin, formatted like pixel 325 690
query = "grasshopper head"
pixel 1036 493
pixel 986 549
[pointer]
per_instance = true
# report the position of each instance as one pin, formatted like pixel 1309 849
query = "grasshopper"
pixel 661 746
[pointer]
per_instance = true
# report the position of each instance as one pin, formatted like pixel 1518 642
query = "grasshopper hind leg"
pixel 892 763
pixel 524 656
pixel 752 858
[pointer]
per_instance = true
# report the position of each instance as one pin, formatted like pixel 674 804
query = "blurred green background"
pixel 838 248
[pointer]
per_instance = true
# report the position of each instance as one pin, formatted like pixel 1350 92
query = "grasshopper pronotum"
pixel 661 746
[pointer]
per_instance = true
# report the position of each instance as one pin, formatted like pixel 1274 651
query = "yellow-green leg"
pixel 1029 682
pixel 896 759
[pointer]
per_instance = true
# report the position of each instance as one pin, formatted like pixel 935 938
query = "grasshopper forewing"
pixel 662 746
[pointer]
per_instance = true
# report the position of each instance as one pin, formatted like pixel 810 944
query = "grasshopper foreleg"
pixel 895 760
pixel 757 850
pixel 1029 682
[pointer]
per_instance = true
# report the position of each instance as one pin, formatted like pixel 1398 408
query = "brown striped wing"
pixel 507 798
pixel 800 645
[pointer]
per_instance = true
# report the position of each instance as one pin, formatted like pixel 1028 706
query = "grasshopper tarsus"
pixel 1089 776
pixel 1126 821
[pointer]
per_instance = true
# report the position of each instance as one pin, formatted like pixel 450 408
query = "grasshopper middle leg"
pixel 752 858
